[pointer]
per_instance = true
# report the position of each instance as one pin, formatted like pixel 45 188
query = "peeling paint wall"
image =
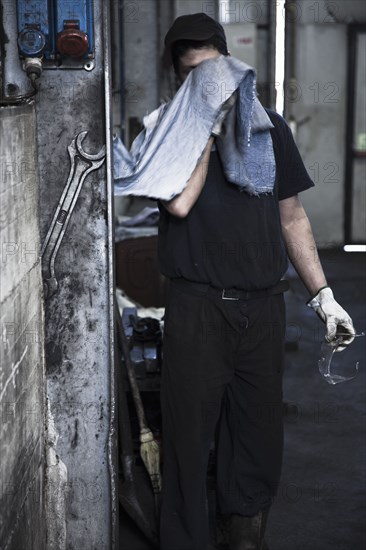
pixel 56 494
pixel 22 339
pixel 80 477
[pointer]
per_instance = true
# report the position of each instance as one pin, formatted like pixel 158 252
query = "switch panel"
pixel 59 31
pixel 74 29
pixel 35 37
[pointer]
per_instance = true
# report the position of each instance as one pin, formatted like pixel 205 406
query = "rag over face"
pixel 164 155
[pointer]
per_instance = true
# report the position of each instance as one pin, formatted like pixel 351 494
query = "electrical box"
pixel 60 32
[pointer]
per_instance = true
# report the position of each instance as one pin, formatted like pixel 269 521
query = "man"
pixel 224 252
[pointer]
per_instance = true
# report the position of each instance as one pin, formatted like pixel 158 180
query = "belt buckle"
pixel 223 297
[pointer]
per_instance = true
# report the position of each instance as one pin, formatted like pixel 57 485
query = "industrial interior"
pixel 83 298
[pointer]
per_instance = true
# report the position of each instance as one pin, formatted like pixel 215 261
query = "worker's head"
pixel 192 39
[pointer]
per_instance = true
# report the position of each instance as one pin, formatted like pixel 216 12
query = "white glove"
pixel 225 108
pixel 334 316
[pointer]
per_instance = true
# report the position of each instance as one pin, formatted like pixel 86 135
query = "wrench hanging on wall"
pixel 82 164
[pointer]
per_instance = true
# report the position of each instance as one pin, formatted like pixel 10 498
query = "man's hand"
pixel 336 319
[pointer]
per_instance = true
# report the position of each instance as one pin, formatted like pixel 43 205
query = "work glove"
pixel 217 129
pixel 336 319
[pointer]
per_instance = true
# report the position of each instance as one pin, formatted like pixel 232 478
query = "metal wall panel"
pixel 22 401
pixel 81 478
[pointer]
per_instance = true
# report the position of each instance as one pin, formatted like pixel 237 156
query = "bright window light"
pixel 280 56
pixel 354 248
pixel 224 11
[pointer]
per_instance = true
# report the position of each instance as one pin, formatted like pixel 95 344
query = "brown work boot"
pixel 247 533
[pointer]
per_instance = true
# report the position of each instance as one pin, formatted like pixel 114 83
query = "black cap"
pixel 197 26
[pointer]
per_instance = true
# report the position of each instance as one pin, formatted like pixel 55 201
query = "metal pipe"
pixel 112 446
pixel 121 57
pixel 16 86
pixel 271 56
pixel 350 127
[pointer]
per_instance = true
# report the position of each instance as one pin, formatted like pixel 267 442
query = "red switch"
pixel 72 41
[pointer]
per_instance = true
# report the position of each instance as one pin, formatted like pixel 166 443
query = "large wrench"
pixel 81 165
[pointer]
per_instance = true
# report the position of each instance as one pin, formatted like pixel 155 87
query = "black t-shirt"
pixel 231 239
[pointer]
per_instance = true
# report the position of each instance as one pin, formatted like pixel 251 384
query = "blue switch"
pixel 31 42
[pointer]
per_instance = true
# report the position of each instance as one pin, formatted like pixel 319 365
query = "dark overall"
pixel 222 365
pixel 222 360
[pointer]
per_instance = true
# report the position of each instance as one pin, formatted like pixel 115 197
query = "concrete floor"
pixel 321 498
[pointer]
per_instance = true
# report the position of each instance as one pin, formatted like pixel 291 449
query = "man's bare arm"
pixel 182 204
pixel 300 243
pixel 303 254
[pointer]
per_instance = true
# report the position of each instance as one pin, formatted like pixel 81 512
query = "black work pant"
pixel 222 375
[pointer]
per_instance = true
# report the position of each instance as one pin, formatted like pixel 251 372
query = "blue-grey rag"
pixel 164 155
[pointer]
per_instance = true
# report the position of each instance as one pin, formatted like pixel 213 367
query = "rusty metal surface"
pixel 79 340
